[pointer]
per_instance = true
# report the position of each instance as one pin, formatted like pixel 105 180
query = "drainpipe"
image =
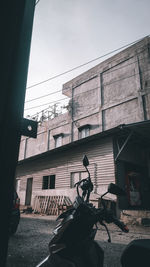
pixel 72 116
pixel 142 95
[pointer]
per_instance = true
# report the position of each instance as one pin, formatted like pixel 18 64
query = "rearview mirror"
pixel 85 161
pixel 116 190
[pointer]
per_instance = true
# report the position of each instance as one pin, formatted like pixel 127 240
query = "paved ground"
pixel 30 244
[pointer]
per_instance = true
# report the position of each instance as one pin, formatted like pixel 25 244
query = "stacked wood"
pixel 51 205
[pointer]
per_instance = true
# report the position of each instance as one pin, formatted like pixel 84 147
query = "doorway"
pixel 28 192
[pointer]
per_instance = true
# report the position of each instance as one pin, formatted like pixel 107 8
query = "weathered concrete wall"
pixel 86 99
pixel 145 79
pixel 63 124
pixel 36 146
pixel 141 48
pixel 119 88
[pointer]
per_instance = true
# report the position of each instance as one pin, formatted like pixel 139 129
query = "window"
pixel 45 182
pixel 48 182
pixel 58 140
pixel 76 177
pixel 84 131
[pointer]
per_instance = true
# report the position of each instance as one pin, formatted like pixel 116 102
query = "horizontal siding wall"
pixel 100 155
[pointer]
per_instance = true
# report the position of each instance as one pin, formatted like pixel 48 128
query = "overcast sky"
pixel 67 33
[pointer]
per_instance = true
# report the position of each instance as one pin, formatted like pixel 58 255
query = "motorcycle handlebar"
pixel 120 224
pixel 107 215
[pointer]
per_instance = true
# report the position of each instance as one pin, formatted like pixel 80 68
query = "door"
pixel 28 192
pixel 133 186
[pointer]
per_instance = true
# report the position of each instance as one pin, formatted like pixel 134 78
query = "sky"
pixel 68 33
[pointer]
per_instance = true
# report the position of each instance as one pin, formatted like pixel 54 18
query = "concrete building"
pixel 108 120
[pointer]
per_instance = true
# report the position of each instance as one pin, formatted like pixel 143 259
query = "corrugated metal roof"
pixel 141 128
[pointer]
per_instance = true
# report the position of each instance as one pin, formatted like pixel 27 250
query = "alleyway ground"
pixel 30 244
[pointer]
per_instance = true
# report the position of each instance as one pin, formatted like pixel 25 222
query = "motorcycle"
pixel 73 244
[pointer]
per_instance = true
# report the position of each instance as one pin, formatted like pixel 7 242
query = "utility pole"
pixel 16 31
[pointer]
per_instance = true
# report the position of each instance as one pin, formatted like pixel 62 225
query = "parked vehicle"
pixel 72 244
pixel 15 214
pixel 137 254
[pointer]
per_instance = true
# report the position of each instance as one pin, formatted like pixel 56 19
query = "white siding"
pixel 100 154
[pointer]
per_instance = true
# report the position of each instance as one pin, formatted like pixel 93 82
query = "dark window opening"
pixel 134 179
pixel 48 182
pixel 45 182
pixel 52 182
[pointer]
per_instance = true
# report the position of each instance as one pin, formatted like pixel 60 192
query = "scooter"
pixel 73 244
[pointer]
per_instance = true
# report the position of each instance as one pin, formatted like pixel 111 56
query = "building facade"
pixel 113 93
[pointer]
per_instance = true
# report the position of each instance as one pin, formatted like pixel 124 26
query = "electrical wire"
pixel 105 84
pixel 47 103
pixel 43 96
pixel 43 110
pixel 110 71
pixel 148 89
pixel 84 64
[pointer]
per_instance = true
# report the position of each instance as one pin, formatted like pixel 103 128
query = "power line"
pixel 43 110
pixel 105 84
pixel 84 64
pixel 43 96
pixel 85 81
pixel 37 114
pixel 148 89
pixel 47 103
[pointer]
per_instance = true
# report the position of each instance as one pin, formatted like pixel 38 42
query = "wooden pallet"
pixel 51 205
